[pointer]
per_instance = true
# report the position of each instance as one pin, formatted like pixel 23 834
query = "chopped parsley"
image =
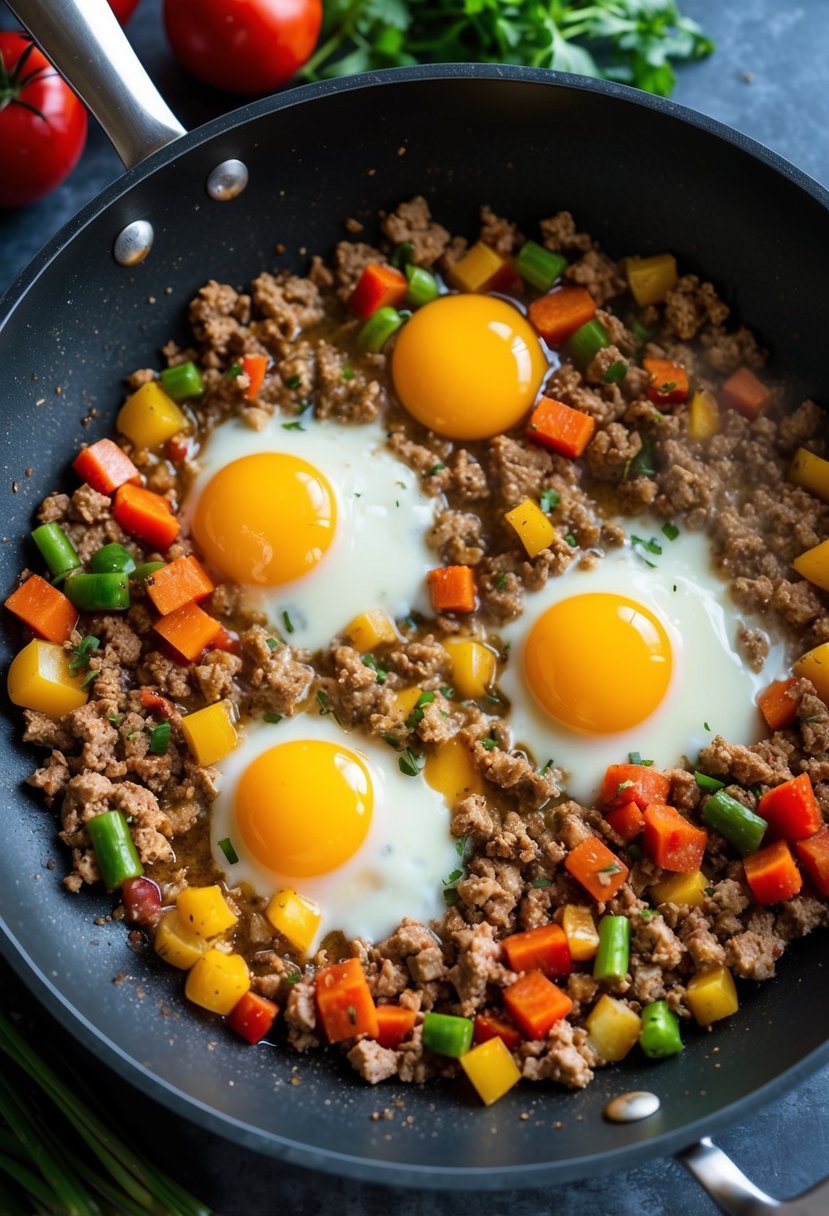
pixel 371 662
pixel 287 622
pixel 460 845
pixel 642 332
pixel 273 719
pixel 160 739
pixel 501 582
pixel 352 1015
pixel 489 744
pixel 325 708
pixel 273 643
pixel 294 382
pixel 436 468
pixel 234 370
pixel 707 727
pixel 571 540
pixel 652 545
pixel 541 884
pixel 548 499
pixel 293 426
pixel 616 372
pixel 292 974
pixel 115 719
pixel 708 891
pixel 347 372
pixel 227 848
pixel 410 763
pixel 416 716
pixel 643 464
pixel 634 852
pixel 82 653
pixel 613 868
pixel 546 767
pixel 670 530
pixel 647 914
pixel 447 692
pixel 636 758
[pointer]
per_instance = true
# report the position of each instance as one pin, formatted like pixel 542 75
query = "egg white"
pixel 712 690
pixel 399 868
pixel 378 557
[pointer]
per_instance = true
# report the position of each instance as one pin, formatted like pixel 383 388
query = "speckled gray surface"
pixel 769 78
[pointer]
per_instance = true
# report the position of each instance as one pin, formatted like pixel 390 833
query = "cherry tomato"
pixel 42 123
pixel 244 46
pixel 123 9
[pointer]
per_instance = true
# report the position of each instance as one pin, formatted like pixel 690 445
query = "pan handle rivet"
pixel 631 1107
pixel 133 243
pixel 227 180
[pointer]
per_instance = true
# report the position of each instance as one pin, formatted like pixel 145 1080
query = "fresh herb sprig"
pixel 635 41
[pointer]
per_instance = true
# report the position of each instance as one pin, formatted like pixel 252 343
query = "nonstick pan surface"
pixel 529 144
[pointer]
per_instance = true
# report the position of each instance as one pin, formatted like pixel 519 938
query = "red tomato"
pixel 42 123
pixel 123 9
pixel 244 46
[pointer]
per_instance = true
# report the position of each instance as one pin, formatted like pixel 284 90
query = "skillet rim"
pixel 94 1038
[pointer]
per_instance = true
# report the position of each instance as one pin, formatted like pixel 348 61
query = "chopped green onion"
pixel 616 372
pixel 160 739
pixel 56 549
pixel 377 330
pixel 613 954
pixel 670 530
pixel 228 850
pixel 446 1034
pixel 436 468
pixel 659 1036
pixel 112 559
pixel 539 266
pixel 183 381
pixel 347 372
pixel 652 545
pixel 416 716
pixel 82 653
pixel 571 540
pixel 586 343
pixel 636 758
pixel 548 499
pixel 371 662
pixel 740 826
pixel 141 573
pixel 287 622
pixel 402 255
pixel 709 784
pixel 540 884
pixel 423 286
pixel 114 848
pixel 294 382
pixel 99 592
pixel 410 763
pixel 234 370
pixel 273 719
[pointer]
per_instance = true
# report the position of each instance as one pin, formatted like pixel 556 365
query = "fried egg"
pixel 468 366
pixel 327 814
pixel 638 654
pixel 318 521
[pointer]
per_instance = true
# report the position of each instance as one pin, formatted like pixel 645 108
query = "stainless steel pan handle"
pixel 736 1195
pixel 87 45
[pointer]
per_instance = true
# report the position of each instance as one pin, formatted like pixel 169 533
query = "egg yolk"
pixel 598 663
pixel 303 808
pixel 266 519
pixel 468 366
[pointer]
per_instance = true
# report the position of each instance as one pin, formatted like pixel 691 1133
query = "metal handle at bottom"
pixel 736 1195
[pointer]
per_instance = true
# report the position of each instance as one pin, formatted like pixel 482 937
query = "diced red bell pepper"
pixel 142 901
pixel 745 393
pixel 813 855
pixel 671 841
pixel 489 1026
pixel 105 466
pixel 791 809
pixel 639 783
pixel 156 704
pixel 394 1024
pixel 145 515
pixel 627 821
pixel 772 874
pixel 379 286
pixel 543 948
pixel 668 381
pixel 252 1016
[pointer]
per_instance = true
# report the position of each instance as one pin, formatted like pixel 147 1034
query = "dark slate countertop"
pixel 769 78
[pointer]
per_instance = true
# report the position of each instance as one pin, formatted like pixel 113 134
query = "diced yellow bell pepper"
pixel 450 771
pixel 210 732
pixel 218 981
pixel 491 1069
pixel 204 911
pixel 149 417
pixel 473 666
pixel 814 565
pixel 814 666
pixel 476 268
pixel 811 472
pixel 650 279
pixel 532 526
pixel 686 890
pixel 580 930
pixel 703 415
pixel 712 995
pixel 370 629
pixel 613 1028
pixel 39 678
pixel 176 944
pixel 295 917
pixel 405 699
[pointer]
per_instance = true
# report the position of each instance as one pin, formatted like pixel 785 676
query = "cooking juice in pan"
pixel 433 661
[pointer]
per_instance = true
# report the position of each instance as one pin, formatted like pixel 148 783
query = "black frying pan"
pixel 528 143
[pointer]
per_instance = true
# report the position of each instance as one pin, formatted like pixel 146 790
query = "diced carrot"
pixel 536 1004
pixel 772 873
pixel 671 841
pixel 344 1002
pixel 599 871
pixel 745 393
pixel 627 821
pixel 560 428
pixel 791 809
pixel 145 515
pixel 668 381
pixel 252 1016
pixel 776 706
pixel 379 286
pixel 188 630
pixel 543 948
pixel 489 1026
pixel 105 466
pixel 452 589
pixel 254 367
pixel 156 704
pixel 813 855
pixel 44 609
pixel 639 783
pixel 182 582
pixel 561 312
pixel 395 1023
